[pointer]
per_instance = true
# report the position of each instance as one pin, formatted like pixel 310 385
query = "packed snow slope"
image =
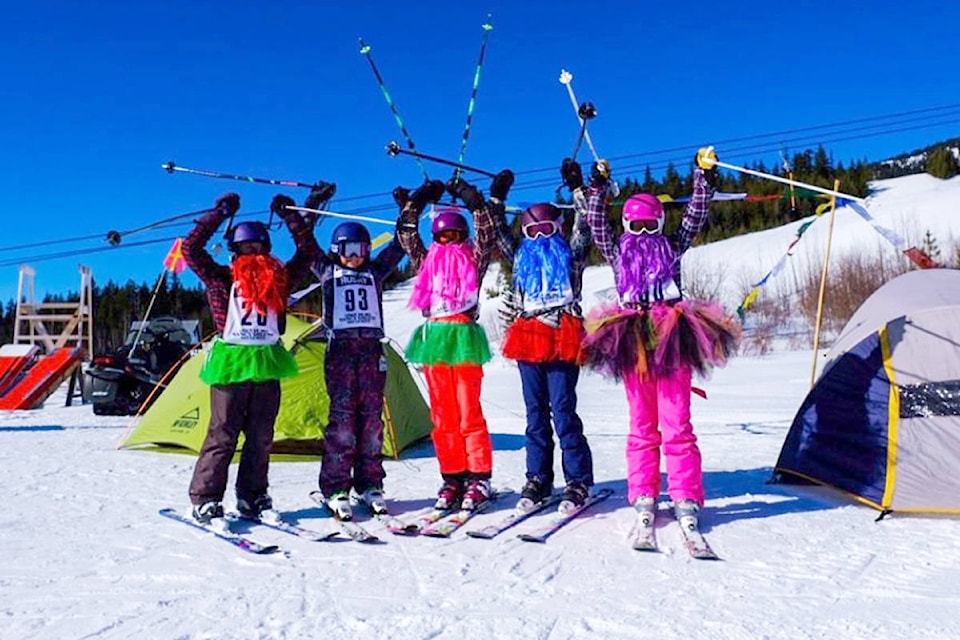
pixel 89 557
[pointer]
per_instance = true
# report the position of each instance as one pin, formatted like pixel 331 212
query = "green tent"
pixel 178 419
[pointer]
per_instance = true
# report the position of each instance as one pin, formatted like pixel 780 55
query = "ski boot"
pixel 339 504
pixel 534 491
pixel 449 495
pixel 574 495
pixel 372 498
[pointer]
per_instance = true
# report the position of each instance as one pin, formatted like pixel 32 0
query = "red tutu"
pixel 530 340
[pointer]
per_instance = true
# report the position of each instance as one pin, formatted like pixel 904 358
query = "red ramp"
pixel 42 379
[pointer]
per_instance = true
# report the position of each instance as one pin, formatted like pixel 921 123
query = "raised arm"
pixel 194 246
pixel 705 180
pixel 504 238
pixel 590 202
pixel 408 224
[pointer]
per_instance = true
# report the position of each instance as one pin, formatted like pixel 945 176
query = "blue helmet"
pixel 350 238
pixel 248 232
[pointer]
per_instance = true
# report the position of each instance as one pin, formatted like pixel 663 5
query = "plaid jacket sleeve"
pixel 484 221
pixel 696 213
pixel 215 277
pixel 308 259
pixel 592 202
pixel 408 235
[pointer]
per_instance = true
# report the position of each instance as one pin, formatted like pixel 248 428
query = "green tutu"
pixel 234 363
pixel 449 343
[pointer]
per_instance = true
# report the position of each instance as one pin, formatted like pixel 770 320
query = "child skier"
pixel 544 338
pixel 652 338
pixel 450 344
pixel 355 366
pixel 248 303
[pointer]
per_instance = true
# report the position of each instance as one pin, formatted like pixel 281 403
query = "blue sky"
pixel 94 97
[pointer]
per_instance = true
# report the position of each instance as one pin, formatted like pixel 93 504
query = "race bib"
pixel 247 326
pixel 664 292
pixel 355 302
pixel 554 298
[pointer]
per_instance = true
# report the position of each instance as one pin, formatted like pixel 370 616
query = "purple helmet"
pixel 540 220
pixel 449 219
pixel 643 213
pixel 248 232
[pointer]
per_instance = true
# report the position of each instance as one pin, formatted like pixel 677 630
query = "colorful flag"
pixel 174 261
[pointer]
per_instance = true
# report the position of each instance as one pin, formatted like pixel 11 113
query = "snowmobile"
pixel 121 382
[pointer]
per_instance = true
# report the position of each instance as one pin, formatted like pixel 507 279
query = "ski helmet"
pixel 643 213
pixel 449 219
pixel 248 232
pixel 540 220
pixel 350 239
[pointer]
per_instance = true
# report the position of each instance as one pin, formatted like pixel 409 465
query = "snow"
pixel 88 556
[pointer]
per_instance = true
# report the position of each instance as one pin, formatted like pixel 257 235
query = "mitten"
pixel 321 193
pixel 428 192
pixel 280 203
pixel 468 193
pixel 228 204
pixel 501 185
pixel 571 173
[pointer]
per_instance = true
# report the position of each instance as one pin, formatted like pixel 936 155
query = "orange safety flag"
pixel 174 261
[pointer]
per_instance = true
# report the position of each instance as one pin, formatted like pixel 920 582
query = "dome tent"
pixel 882 422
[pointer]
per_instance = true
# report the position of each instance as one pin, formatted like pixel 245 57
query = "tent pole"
pixel 823 286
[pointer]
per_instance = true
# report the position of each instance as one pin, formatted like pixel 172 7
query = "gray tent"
pixel 883 419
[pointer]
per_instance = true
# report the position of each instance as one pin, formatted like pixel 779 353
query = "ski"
pixel 560 520
pixel 426 520
pixel 512 519
pixel 278 524
pixel 235 539
pixel 644 535
pixel 447 526
pixel 693 540
pixel 349 528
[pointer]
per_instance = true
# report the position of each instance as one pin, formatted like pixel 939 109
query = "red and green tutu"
pixel 451 341
pixel 660 340
pixel 530 340
pixel 234 363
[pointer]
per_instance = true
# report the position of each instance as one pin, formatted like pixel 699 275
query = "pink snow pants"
pixel 660 415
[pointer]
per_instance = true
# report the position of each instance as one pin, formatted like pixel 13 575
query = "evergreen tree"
pixel 942 163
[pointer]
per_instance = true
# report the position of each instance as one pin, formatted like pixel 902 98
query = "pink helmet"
pixel 643 213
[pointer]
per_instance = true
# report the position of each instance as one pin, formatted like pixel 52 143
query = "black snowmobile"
pixel 119 382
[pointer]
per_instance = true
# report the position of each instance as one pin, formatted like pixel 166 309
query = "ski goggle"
pixel 637 227
pixel 353 249
pixel 544 228
pixel 448 236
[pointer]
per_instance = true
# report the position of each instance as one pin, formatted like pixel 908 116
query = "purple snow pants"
pixel 249 408
pixel 660 416
pixel 356 371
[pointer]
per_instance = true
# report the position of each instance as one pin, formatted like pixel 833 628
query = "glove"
pixel 706 159
pixel 321 193
pixel 401 196
pixel 280 203
pixel 428 192
pixel 571 173
pixel 501 185
pixel 227 204
pixel 468 193
pixel 600 173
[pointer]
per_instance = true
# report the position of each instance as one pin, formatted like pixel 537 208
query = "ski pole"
pixel 565 79
pixel 113 237
pixel 347 216
pixel 171 167
pixel 365 50
pixel 394 149
pixel 487 28
pixel 795 183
